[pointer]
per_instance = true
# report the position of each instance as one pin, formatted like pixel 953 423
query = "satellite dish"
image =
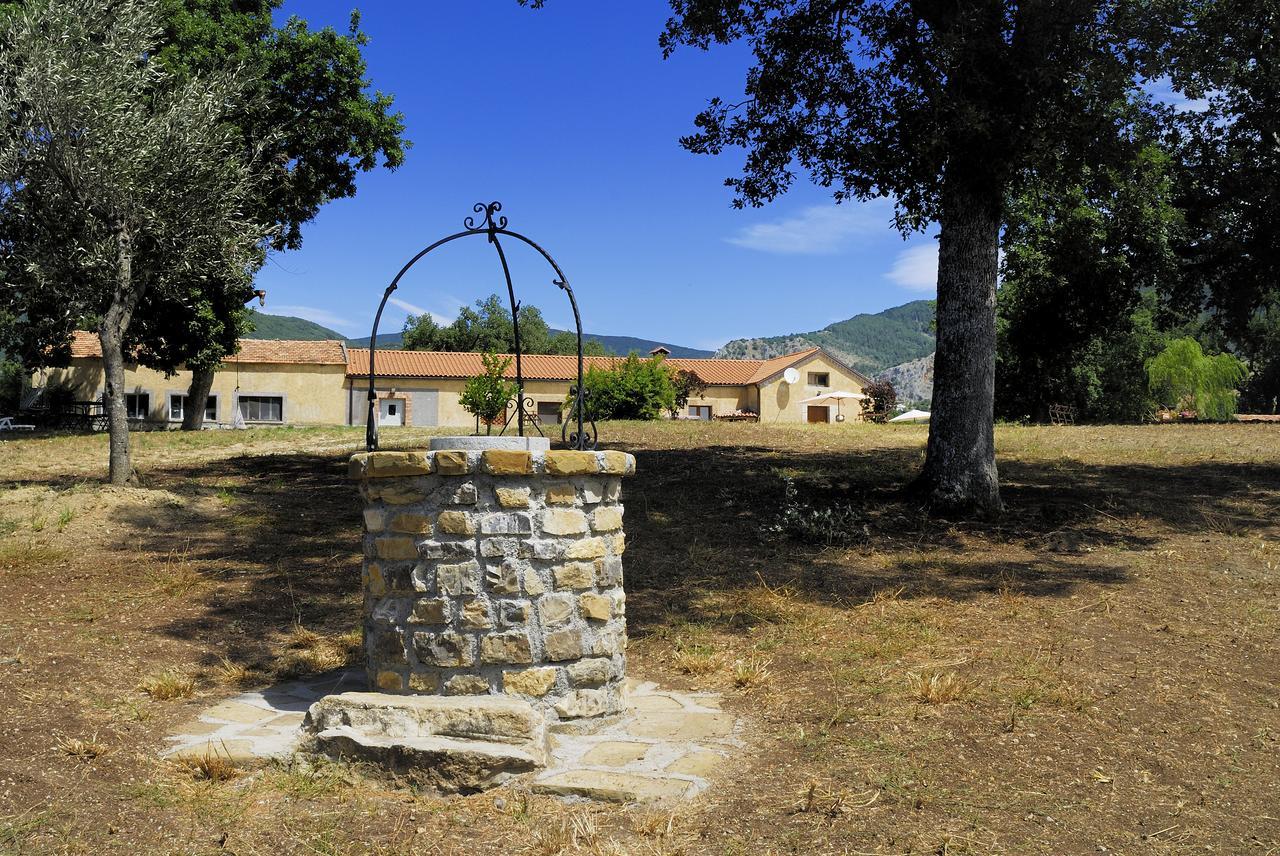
pixel 790 376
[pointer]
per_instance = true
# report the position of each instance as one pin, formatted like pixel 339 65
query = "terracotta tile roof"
pixel 555 367
pixel 769 368
pixel 464 364
pixel 327 352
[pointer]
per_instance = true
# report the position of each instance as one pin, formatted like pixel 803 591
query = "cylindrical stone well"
pixel 496 571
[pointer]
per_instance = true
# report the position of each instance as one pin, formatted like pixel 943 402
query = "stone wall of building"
pixel 496 572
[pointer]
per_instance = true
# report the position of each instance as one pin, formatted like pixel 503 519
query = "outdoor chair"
pixel 7 424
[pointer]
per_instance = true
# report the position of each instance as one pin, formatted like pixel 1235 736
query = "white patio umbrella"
pixel 837 396
pixel 912 416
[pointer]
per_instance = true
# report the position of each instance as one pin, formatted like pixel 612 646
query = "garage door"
pixel 426 407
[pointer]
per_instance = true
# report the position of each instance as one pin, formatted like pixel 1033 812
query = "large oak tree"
pixel 950 107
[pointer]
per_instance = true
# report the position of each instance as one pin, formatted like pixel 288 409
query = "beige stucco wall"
pixel 448 390
pixel 725 399
pixel 780 402
pixel 312 393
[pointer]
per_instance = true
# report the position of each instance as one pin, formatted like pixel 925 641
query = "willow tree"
pixel 105 162
pixel 950 108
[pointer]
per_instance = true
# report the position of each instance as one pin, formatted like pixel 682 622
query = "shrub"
pixel 487 395
pixel 1183 377
pixel 833 525
pixel 632 389
pixel 882 399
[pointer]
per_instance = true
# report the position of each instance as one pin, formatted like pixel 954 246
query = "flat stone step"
pixel 611 786
pixel 492 719
pixel 449 764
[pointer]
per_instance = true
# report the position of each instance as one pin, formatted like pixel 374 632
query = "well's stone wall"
pixel 496 571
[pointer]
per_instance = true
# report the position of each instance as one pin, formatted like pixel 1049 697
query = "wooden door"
pixel 819 413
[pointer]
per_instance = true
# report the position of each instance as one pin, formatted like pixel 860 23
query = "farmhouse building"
pixel 275 382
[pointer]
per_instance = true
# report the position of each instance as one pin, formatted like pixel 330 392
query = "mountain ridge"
pixel 868 342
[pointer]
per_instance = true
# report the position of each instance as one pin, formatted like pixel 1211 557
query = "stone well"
pixel 496 571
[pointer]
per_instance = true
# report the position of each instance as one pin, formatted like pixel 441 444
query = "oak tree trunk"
pixel 959 475
pixel 111 331
pixel 197 397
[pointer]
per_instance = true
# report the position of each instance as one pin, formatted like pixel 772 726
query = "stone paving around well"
pixel 666 745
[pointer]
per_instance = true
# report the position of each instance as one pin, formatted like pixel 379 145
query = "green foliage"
pixel 488 394
pixel 1074 326
pixel 1230 186
pixel 634 388
pixel 838 524
pixel 1182 376
pixel 101 147
pixel 259 325
pixel 1262 392
pixel 488 327
pixel 13 383
pixel 880 405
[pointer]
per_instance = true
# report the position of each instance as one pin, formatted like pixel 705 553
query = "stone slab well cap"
pixel 470 443
pixel 499 462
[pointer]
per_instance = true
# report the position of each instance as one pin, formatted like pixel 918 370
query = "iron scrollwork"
pixel 580 438
pixel 522 408
pixel 492 224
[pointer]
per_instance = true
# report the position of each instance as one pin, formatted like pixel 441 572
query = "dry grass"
pixel 235 674
pixel 936 687
pixel 750 672
pixel 1092 671
pixel 85 750
pixel 210 766
pixel 692 661
pixel 169 684
pixel 178 577
pixel 308 652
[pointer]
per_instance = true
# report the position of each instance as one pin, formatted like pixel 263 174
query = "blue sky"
pixel 571 118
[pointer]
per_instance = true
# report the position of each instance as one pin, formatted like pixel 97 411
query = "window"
pixel 549 412
pixel 700 411
pixel 819 379
pixel 177 407
pixel 261 408
pixel 137 405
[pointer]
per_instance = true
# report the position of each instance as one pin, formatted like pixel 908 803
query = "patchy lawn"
pixel 1097 672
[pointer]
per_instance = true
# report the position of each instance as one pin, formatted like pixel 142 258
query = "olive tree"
pixel 116 181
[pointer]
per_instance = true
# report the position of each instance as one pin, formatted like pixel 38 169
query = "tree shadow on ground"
pixel 698 522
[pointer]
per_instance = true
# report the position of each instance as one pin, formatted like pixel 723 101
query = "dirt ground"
pixel 1097 672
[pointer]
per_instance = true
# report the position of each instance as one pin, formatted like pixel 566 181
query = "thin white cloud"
pixel 817 230
pixel 341 323
pixel 414 309
pixel 1161 89
pixel 411 308
pixel 916 268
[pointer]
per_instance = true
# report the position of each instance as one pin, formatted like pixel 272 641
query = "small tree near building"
pixel 487 395
pixel 882 399
pixel 687 385
pixel 1184 377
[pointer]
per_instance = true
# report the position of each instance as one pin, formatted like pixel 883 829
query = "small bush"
pixel 830 525
pixel 882 399
pixel 632 389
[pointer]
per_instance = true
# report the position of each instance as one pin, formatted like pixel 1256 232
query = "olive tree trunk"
pixel 959 475
pixel 197 397
pixel 111 330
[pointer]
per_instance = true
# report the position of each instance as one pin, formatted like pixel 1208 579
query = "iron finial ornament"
pixel 493 224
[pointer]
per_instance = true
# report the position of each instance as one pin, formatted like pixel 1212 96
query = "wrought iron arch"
pixel 585 434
